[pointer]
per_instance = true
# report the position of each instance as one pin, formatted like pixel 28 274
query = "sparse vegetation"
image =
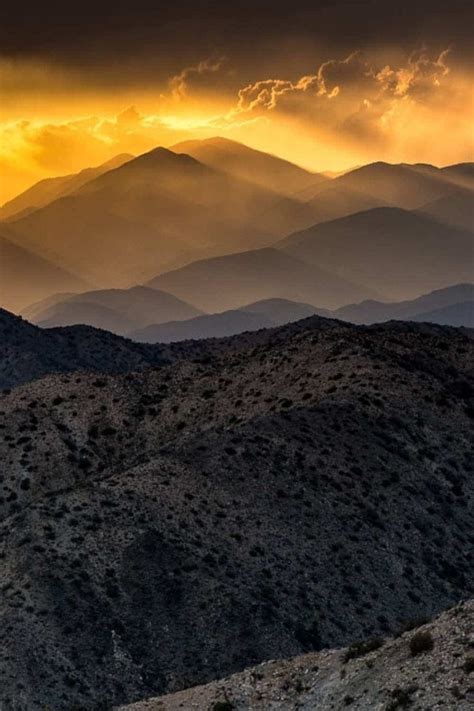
pixel 360 649
pixel 468 665
pixel 421 642
pixel 151 504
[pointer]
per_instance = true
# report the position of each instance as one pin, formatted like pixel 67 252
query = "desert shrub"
pixel 359 649
pixel 412 624
pixel 468 665
pixel 421 642
pixel 401 698
pixel 223 706
pixel 99 383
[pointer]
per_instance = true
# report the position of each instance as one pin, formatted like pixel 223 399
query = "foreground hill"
pixel 261 314
pixel 427 667
pixel 154 212
pixel 224 283
pixel 44 192
pixel 256 166
pixel 305 487
pixel 118 310
pixel 26 277
pixel 393 251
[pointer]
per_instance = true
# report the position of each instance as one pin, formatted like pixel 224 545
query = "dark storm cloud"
pixel 88 32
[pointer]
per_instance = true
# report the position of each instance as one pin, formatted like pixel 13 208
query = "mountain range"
pixel 118 310
pixel 453 306
pixel 252 317
pixel 393 251
pixel 225 502
pixel 236 418
pixel 154 211
pixel 150 315
pixel 392 231
pixel 423 308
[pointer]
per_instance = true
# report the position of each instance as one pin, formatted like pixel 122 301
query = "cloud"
pixel 353 79
pixel 349 110
pixel 353 72
pixel 192 77
pixel 418 78
pixel 357 101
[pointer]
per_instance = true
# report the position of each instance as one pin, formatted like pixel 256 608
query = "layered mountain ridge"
pixel 138 218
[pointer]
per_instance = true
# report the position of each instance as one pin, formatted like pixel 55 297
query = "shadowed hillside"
pixel 28 352
pixel 398 253
pixel 224 283
pixel 24 277
pixel 292 490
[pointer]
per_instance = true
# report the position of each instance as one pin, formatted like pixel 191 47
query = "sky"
pixel 328 85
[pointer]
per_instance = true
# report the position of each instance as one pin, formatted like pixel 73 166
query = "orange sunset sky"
pixel 319 92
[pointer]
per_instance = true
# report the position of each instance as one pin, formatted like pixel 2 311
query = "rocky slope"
pixel 430 667
pixel 281 493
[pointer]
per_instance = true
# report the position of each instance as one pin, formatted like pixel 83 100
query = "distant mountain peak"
pixel 163 155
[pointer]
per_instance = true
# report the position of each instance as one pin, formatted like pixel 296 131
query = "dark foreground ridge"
pixel 28 352
pixel 268 495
